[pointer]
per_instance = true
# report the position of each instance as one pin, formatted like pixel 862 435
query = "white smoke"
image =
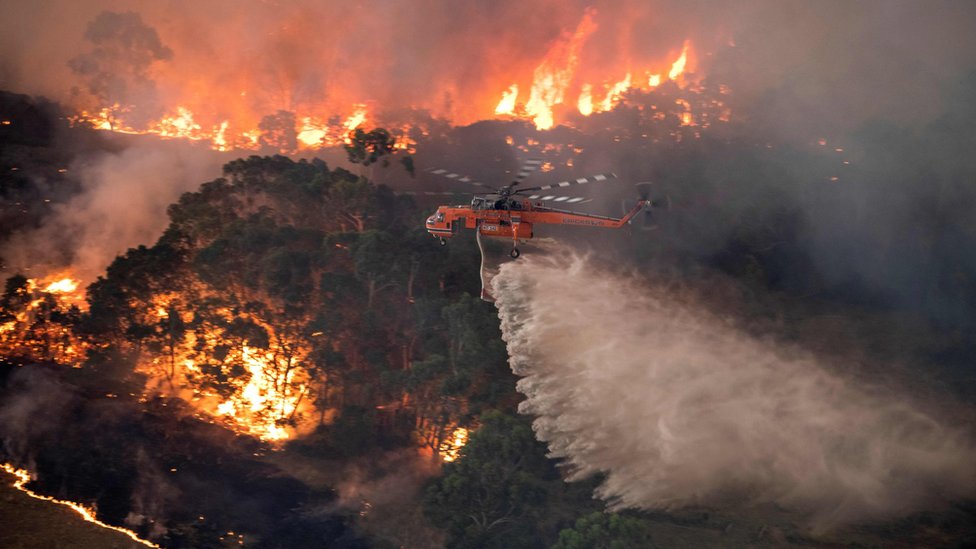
pixel 678 407
pixel 122 204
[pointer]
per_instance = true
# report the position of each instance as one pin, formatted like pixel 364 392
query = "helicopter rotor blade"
pixel 563 199
pixel 458 177
pixel 580 181
pixel 438 193
pixel 528 167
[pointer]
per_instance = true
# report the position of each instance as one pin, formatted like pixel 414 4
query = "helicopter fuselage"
pixel 513 218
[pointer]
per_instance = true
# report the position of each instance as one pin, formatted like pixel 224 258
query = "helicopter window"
pixel 440 216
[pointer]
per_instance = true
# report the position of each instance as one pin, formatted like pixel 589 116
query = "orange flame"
pixel 62 286
pixel 615 93
pixel 554 74
pixel 259 394
pixel 507 103
pixel 451 449
pixel 678 67
pixel 585 102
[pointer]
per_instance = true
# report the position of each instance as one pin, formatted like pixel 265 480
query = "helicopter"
pixel 507 212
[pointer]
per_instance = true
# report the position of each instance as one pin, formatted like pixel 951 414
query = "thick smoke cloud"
pixel 122 204
pixel 679 408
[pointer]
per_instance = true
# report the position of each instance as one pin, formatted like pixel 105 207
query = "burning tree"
pixel 117 68
pixel 38 320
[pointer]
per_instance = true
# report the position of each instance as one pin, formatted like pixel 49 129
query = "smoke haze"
pixel 122 204
pixel 679 408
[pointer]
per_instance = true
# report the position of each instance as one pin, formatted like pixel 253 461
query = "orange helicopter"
pixel 509 213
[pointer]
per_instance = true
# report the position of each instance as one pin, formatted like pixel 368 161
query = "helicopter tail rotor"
pixel 646 221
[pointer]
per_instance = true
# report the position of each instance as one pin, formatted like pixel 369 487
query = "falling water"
pixel 678 407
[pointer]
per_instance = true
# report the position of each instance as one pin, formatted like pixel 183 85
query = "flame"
pixel 356 119
pixel 554 74
pixel 451 449
pixel 678 67
pixel 553 77
pixel 266 399
pixel 182 125
pixel 34 330
pixel 259 394
pixel 63 286
pixel 507 103
pixel 686 117
pixel 220 137
pixel 312 132
pixel 585 102
pixel 88 514
pixel 616 91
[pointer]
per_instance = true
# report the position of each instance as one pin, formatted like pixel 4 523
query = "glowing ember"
pixel 654 80
pixel 686 118
pixel 23 477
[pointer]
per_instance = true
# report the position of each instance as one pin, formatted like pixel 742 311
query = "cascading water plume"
pixel 678 407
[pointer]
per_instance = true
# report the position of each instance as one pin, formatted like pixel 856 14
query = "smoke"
pixel 383 491
pixel 122 204
pixel 32 409
pixel 679 407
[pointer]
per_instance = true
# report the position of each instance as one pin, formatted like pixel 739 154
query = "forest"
pixel 296 363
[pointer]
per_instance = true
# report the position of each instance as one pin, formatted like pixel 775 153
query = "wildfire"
pixel 182 125
pixel 311 134
pixel 88 514
pixel 258 391
pixel 564 76
pixel 556 74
